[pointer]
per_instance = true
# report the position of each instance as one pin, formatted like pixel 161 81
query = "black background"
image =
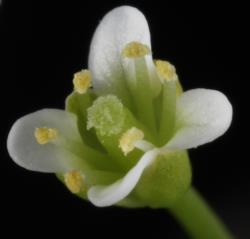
pixel 44 42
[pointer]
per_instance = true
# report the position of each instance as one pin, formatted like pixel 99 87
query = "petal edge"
pixel 103 196
pixel 202 116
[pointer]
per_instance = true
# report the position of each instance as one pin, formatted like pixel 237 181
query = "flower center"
pixel 45 135
pixel 128 139
pixel 135 49
pixel 165 70
pixel 82 81
pixel 106 115
pixel 74 181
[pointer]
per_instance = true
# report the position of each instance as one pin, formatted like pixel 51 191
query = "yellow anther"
pixel 73 181
pixel 135 49
pixel 45 135
pixel 128 139
pixel 82 81
pixel 166 70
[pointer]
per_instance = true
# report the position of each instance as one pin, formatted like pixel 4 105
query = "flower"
pixel 123 141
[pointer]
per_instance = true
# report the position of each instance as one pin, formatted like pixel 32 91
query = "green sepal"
pixel 104 177
pixel 166 180
pixel 93 177
pixel 78 104
pixel 90 149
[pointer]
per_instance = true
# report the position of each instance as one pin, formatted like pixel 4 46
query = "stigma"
pixel 45 135
pixel 82 81
pixel 74 181
pixel 128 139
pixel 135 50
pixel 166 70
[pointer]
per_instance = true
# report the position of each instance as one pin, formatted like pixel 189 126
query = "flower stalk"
pixel 197 218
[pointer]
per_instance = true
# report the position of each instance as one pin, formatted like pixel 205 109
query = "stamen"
pixel 45 135
pixel 74 181
pixel 143 145
pixel 135 49
pixel 82 81
pixel 166 70
pixel 129 138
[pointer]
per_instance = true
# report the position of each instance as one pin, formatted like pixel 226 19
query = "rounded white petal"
pixel 50 157
pixel 202 116
pixel 103 196
pixel 118 27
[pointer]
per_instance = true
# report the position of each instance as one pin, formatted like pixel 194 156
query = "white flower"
pixel 136 117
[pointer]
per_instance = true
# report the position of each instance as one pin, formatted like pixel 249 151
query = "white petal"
pixel 202 116
pixel 118 27
pixel 102 196
pixel 26 152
